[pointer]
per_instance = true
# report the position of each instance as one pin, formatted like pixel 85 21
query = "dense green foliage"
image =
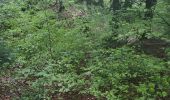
pixel 100 49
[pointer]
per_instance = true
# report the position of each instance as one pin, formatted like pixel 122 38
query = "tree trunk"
pixel 116 5
pixel 149 4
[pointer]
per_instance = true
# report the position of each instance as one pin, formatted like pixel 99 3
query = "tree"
pixel 115 5
pixel 149 6
pixel 5 55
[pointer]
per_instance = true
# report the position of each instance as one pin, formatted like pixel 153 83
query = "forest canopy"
pixel 84 49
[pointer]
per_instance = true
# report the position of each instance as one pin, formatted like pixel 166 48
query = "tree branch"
pixel 165 21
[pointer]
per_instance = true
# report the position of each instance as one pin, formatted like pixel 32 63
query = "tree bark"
pixel 116 5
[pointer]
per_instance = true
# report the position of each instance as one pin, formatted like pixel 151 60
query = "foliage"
pixel 124 74
pixel 104 48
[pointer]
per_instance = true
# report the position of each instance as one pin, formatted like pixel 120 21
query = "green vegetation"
pixel 84 49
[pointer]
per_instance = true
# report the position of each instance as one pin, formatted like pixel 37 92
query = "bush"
pixel 125 74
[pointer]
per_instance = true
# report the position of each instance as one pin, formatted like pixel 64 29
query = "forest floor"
pixel 6 93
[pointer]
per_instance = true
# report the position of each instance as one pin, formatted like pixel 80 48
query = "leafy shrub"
pixel 122 73
pixel 86 54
